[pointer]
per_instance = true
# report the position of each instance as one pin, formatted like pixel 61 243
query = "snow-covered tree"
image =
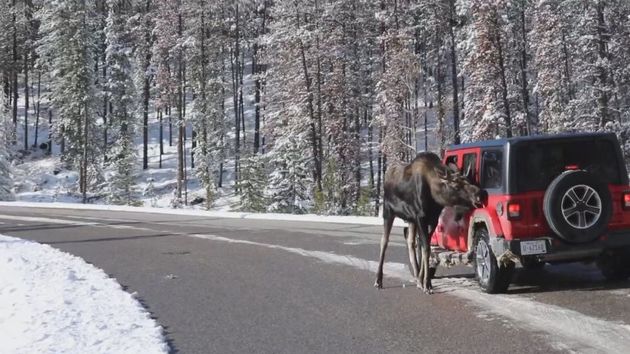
pixel 121 90
pixel 6 181
pixel 67 47
pixel 487 111
pixel 290 183
pixel 554 65
pixel 251 185
pixel 203 40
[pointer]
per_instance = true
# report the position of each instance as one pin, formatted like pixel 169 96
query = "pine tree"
pixel 6 181
pixel 67 47
pixel 204 64
pixel 290 183
pixel 251 185
pixel 488 110
pixel 123 104
pixel 554 65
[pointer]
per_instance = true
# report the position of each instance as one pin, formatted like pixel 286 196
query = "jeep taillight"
pixel 626 200
pixel 514 211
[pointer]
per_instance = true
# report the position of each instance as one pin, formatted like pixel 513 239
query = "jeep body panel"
pixel 531 223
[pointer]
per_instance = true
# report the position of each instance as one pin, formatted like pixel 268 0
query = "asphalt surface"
pixel 240 286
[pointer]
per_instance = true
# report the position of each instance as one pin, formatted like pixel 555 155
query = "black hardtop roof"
pixel 514 140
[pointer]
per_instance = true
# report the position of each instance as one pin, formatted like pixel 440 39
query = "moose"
pixel 417 192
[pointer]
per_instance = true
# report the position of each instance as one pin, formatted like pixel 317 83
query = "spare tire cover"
pixel 577 206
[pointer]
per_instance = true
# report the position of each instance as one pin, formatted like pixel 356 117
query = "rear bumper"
pixel 557 250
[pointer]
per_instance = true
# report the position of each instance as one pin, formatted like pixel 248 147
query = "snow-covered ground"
pixel 53 302
pixel 42 178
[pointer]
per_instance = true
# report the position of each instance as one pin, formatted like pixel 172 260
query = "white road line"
pixel 561 328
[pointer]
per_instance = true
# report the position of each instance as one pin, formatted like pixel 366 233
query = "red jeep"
pixel 547 199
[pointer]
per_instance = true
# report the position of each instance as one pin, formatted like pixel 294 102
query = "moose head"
pixel 457 192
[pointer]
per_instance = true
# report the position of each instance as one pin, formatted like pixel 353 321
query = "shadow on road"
pixel 571 276
pixel 113 238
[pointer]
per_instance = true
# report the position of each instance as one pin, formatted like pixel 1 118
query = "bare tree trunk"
pixel 105 106
pixel 50 128
pixel 524 89
pixel 184 84
pixel 63 140
pixel 307 82
pixel 320 134
pixel 170 125
pixel 235 95
pixel 257 88
pixel 84 159
pixel 180 110
pixel 15 74
pixel 425 89
pixel 256 71
pixel 146 95
pixel 26 99
pixel 370 152
pixel 37 107
pixel 223 82
pixel 504 88
pixel 440 100
pixel 453 14
pixel 160 117
pixel 567 66
pixel 379 177
pixel 463 96
pixel 602 43
pixel 241 108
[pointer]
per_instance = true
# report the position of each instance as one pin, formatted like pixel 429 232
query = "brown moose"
pixel 417 193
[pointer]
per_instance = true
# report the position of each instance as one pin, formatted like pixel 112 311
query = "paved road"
pixel 239 286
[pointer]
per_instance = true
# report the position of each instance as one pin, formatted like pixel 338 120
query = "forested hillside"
pixel 296 106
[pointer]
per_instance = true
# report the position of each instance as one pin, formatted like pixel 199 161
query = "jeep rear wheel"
pixel 577 207
pixel 492 277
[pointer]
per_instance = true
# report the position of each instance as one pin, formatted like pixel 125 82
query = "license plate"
pixel 533 247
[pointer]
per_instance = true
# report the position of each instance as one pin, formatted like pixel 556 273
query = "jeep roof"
pixel 517 149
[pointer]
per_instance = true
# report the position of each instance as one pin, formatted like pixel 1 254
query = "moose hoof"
pixel 378 284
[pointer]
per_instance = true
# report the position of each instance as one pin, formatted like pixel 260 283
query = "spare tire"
pixel 577 206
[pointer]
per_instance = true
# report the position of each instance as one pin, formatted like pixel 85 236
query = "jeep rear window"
pixel 536 164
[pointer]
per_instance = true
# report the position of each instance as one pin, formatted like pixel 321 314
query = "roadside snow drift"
pixel 53 302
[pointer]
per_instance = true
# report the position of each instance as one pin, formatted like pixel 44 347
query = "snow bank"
pixel 359 220
pixel 53 302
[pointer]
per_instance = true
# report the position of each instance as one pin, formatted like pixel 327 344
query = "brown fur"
pixel 417 193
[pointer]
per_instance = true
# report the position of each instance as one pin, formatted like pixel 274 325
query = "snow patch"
pixel 53 302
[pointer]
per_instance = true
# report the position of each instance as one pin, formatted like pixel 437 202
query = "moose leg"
pixel 425 246
pixel 388 222
pixel 411 249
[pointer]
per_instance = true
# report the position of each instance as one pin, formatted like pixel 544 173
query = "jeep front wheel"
pixel 492 276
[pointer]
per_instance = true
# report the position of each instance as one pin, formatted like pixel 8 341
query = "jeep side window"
pixel 451 162
pixel 469 169
pixel 491 169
